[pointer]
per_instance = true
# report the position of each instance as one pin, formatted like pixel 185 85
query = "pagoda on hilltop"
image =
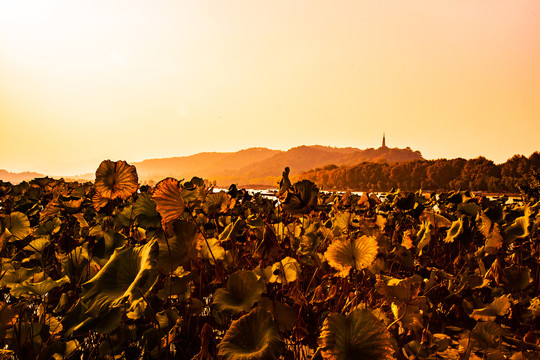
pixel 383 141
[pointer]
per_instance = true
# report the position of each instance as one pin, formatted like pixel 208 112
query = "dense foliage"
pixel 112 269
pixel 477 174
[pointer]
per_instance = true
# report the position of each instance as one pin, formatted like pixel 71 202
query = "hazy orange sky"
pixel 83 81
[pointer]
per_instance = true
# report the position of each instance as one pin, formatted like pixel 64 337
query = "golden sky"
pixel 83 81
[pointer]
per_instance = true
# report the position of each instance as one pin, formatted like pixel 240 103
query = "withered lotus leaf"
pixel 357 253
pixel 252 337
pixel 116 179
pixel 169 201
pixel 358 336
pixel 455 230
pixel 303 199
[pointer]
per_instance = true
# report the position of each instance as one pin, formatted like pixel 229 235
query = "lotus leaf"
pixel 14 277
pixel 518 277
pixel 178 286
pixel 49 227
pixel 185 243
pixel 217 203
pixel 71 204
pixel 494 240
pixel 486 335
pixel 303 198
pixel 454 231
pixel 499 307
pixel 40 288
pixel 24 337
pixel 243 290
pixel 358 336
pixel 357 253
pixel 212 250
pixel 107 243
pixel 400 290
pixel 534 307
pixel 284 315
pixel 342 222
pixel 17 226
pixel 145 212
pixel 518 229
pixel 99 201
pixel 284 185
pixel 125 217
pixel 116 179
pixel 251 337
pixel 169 200
pixel 424 234
pixel 106 323
pixel 67 350
pixel 38 245
pixel 469 209
pixel 128 274
pixel 7 318
pixel 75 262
pixel 232 229
pixel 485 224
pixel 268 245
pixel 284 271
pixel 409 316
pixel 435 219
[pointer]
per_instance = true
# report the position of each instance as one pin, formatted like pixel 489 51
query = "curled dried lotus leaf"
pixel 169 201
pixel 358 336
pixel 302 199
pixel 358 253
pixel 518 229
pixel 424 234
pixel 116 179
pixel 251 337
pixel 435 219
pixel 455 230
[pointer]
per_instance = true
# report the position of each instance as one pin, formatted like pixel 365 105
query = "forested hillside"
pixel 478 174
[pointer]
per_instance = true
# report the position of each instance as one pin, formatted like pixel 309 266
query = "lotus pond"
pixel 114 270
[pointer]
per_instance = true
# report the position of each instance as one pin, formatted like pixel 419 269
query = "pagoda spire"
pixel 383 140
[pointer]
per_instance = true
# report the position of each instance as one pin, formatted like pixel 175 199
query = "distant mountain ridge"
pixel 262 166
pixel 15 178
pixel 255 166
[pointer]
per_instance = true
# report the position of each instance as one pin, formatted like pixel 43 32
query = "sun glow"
pixel 134 80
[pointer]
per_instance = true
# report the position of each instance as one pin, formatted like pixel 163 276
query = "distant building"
pixel 383 140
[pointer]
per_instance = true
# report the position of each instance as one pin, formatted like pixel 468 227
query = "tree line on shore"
pixel 479 174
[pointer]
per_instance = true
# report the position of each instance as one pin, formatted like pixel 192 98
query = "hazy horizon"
pixel 134 80
pixel 93 165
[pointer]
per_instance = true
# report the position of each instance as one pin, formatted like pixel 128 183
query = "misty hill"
pixel 264 166
pixel 207 164
pixel 16 178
